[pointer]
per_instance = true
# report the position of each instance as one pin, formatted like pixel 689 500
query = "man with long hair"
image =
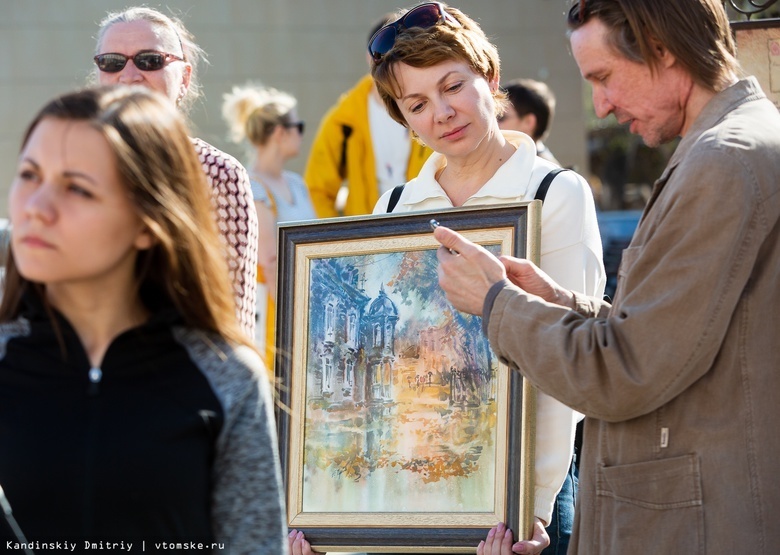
pixel 677 378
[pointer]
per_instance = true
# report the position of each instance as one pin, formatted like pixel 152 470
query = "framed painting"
pixel 400 431
pixel 758 52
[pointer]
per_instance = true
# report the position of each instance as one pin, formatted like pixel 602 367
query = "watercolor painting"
pixel 401 391
pixel 398 426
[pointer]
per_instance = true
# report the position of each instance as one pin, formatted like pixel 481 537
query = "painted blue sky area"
pixel 381 269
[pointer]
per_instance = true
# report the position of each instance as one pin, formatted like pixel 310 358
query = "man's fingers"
pixel 450 239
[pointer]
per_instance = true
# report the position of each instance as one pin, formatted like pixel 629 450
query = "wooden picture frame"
pixel 758 52
pixel 399 431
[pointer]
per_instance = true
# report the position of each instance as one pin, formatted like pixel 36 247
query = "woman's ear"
pixel 494 82
pixel 278 131
pixel 186 77
pixel 145 239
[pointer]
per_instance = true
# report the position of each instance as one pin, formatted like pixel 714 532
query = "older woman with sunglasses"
pixel 439 75
pixel 142 46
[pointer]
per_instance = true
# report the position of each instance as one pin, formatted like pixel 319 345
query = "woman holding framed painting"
pixel 439 76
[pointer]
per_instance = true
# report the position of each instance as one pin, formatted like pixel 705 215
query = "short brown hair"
pixel 696 33
pixel 443 42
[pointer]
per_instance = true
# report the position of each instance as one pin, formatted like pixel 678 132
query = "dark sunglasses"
pixel 148 60
pixel 300 125
pixel 424 16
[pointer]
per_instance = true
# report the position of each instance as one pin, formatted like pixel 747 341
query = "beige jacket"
pixel 680 378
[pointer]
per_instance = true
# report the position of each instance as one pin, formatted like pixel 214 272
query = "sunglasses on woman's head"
pixel 578 12
pixel 424 16
pixel 148 60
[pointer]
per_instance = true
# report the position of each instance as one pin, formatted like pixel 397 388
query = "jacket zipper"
pixel 95 376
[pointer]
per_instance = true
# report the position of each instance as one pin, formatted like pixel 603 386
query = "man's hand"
pixel 528 277
pixel 467 274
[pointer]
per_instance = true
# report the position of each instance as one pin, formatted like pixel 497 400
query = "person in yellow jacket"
pixel 360 147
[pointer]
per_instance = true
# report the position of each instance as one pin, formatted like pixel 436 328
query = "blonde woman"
pixel 132 405
pixel 268 121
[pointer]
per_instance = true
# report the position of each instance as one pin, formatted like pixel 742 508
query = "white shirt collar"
pixel 517 169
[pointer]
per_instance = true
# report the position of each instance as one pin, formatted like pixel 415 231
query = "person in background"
pixel 133 407
pixel 360 147
pixel 268 120
pixel 438 74
pixel 678 377
pixel 143 46
pixel 530 110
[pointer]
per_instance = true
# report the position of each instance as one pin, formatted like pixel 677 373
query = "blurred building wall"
pixel 314 49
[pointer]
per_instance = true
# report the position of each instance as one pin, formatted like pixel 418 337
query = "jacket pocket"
pixel 653 506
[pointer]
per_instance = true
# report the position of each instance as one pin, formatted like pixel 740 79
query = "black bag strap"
pixel 394 197
pixel 346 130
pixel 541 192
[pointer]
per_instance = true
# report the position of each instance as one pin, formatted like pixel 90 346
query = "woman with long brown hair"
pixel 133 407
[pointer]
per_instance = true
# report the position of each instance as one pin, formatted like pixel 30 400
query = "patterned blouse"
pixel 231 197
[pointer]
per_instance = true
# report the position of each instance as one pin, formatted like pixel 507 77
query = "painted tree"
pixel 417 285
